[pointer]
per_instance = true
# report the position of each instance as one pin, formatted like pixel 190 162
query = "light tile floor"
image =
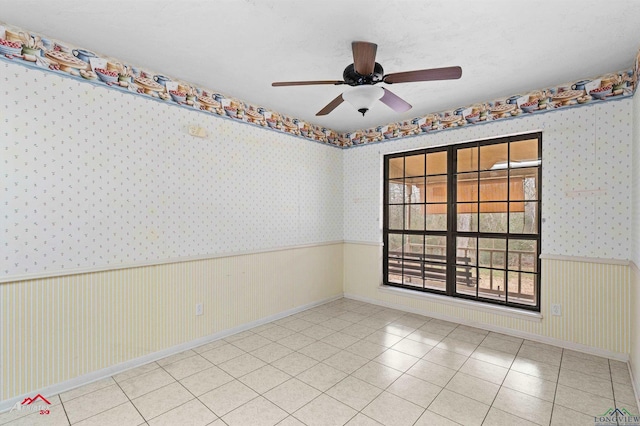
pixel 348 362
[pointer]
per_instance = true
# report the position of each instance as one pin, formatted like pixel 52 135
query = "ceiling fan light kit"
pixel 363 97
pixel 365 72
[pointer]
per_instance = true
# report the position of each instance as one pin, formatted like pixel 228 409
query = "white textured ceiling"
pixel 238 47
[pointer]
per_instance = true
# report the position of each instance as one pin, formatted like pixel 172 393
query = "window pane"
pixel 395 243
pixel 413 245
pixel 492 284
pixel 523 255
pixel 524 153
pixel 412 273
pixel 493 186
pixel 467 159
pixel 394 258
pixel 467 217
pixel 436 248
pixel 493 217
pixel 437 222
pixel 492 252
pixel 466 279
pixel 436 189
pixel 522 287
pixel 437 163
pixel 394 269
pixel 435 276
pixel 467 187
pixel 396 191
pixel 414 165
pixel 415 217
pixel 494 156
pixel 523 217
pixel 396 167
pixel 524 184
pixel 437 209
pixel 412 260
pixel 414 190
pixel 466 250
pixel 396 217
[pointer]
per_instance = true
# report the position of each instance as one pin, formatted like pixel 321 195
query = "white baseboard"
pixel 489 327
pixel 94 376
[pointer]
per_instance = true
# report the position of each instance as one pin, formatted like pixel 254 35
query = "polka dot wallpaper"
pixel 586 178
pixel 636 179
pixel 92 177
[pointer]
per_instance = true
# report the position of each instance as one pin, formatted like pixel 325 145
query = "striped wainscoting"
pixel 595 299
pixel 634 352
pixel 56 329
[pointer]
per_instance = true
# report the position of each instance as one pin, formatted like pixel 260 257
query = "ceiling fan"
pixel 365 72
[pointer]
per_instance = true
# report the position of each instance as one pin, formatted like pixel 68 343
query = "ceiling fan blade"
pixel 394 102
pixel 448 73
pixel 305 83
pixel 331 106
pixel 364 56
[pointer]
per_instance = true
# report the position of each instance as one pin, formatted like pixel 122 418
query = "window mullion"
pixel 478 235
pixel 404 215
pixel 424 226
pixel 452 193
pixel 506 243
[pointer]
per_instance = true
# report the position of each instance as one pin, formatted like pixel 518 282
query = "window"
pixel 464 220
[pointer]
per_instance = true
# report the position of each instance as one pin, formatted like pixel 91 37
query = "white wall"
pixel 635 252
pixel 583 149
pixel 586 206
pixel 132 174
pixel 635 177
pixel 91 177
pixel 94 177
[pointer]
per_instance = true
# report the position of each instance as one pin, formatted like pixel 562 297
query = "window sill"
pixel 462 303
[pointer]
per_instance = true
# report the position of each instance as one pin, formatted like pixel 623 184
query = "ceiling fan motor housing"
pixel 352 78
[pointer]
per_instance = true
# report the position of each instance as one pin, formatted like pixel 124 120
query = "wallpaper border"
pixel 44 53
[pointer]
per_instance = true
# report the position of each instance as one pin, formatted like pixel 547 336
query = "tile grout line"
pixel 448 381
pixel 129 399
pixel 499 388
pixel 505 378
pixel 161 387
pixel 185 388
pixel 292 376
pixel 373 324
pixel 555 393
pixel 501 385
pixel 322 362
pixel 234 378
pixel 65 410
pixel 86 394
pixel 613 391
